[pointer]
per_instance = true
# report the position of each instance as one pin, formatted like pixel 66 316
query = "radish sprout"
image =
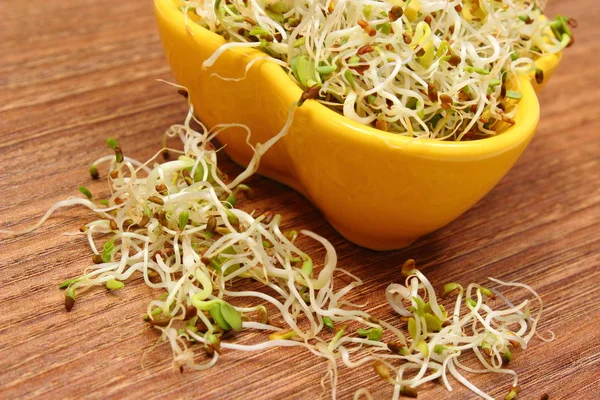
pixel 438 338
pixel 218 270
pixel 422 68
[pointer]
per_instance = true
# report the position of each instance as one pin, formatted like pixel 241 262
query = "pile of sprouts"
pixel 217 271
pixel 441 69
pixel 439 335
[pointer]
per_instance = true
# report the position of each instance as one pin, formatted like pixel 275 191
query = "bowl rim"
pixel 527 116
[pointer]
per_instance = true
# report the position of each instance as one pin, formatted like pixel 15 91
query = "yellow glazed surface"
pixel 379 190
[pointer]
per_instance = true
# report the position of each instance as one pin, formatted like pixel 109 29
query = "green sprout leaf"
pixel 67 283
pixel 282 335
pixel 338 335
pixel 511 94
pixel 349 77
pixel 231 316
pixel 514 391
pixel 113 284
pixel 433 322
pixel 353 60
pixel 217 316
pixel 487 292
pixel 275 15
pixel 184 218
pixel 423 348
pixel 279 7
pixel 386 28
pixel 420 309
pixel 495 82
pixel 307 267
pixel 83 190
pixel 507 356
pixel 328 322
pixel 480 71
pixel 108 250
pixel 367 11
pixel 439 349
pixel 412 327
pixel 112 143
pixel 94 172
pixel 304 70
pixel 326 69
pixel 450 289
pixel 257 31
pixel 371 333
pixel 232 217
pixel 300 42
pixel 231 200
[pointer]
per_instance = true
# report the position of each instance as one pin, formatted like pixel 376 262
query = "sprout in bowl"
pixel 422 68
pixel 379 189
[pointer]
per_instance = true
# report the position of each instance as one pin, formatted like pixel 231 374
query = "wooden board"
pixel 73 73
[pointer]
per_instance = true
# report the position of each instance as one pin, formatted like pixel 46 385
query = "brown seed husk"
pixel 408 266
pixel 69 302
pixel 187 177
pixel 382 370
pixel 190 312
pixel 395 347
pixel 161 189
pixel 268 217
pixel 446 101
pixel 432 93
pixel 395 13
pixel 381 125
pixel 364 49
pixel 211 224
pixel 310 93
pixel 539 76
pixel 454 60
pixel 201 326
pixel 408 391
pixel 144 221
pixel 160 322
pixel 156 200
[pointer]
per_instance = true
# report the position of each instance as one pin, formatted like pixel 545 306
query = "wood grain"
pixel 73 73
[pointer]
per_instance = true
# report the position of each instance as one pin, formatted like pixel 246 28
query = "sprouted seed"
pixel 438 338
pixel 176 225
pixel 192 244
pixel 422 68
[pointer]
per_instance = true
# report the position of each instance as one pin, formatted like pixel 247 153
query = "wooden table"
pixel 74 73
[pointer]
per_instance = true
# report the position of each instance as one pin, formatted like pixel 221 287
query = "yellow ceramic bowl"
pixel 379 190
